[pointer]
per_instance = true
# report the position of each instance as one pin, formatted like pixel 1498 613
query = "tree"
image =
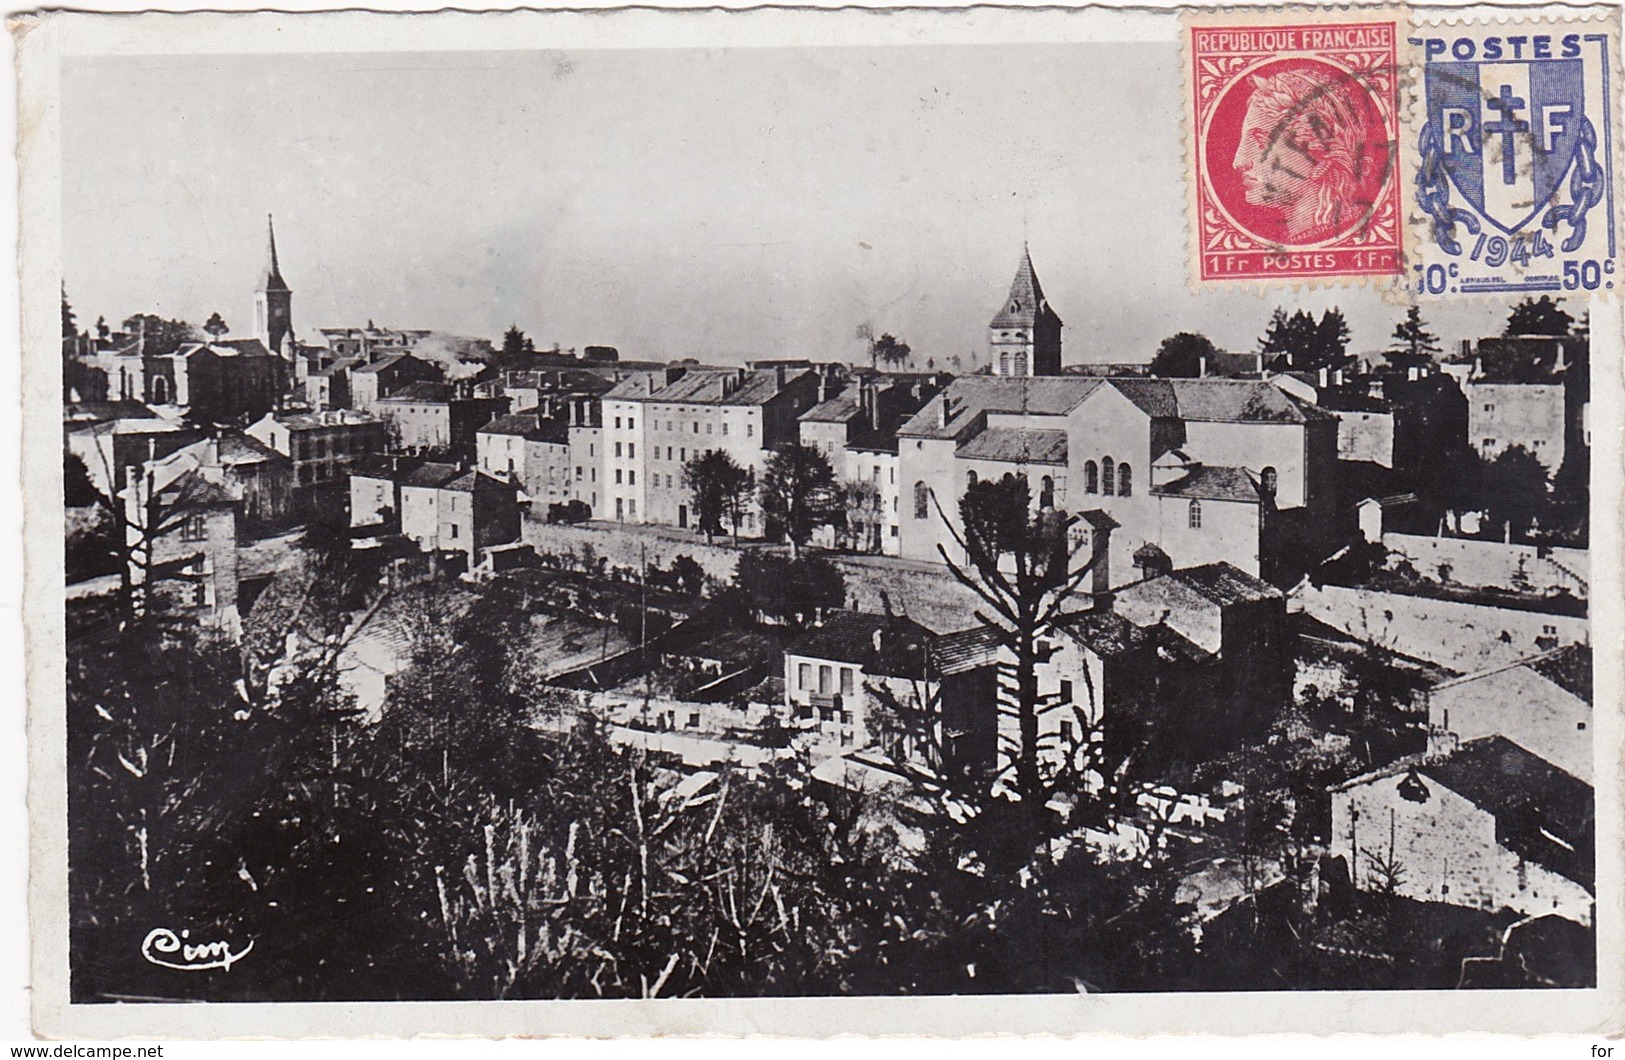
pixel 788 591
pixel 890 351
pixel 799 494
pixel 718 488
pixel 1514 489
pixel 1413 343
pixel 1180 356
pixel 887 349
pixel 1539 316
pixel 215 326
pixel 1302 343
pixel 513 342
pixel 1331 339
pixel 159 336
pixel 1021 565
pixel 865 519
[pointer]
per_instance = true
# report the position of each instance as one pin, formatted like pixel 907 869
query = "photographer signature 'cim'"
pixel 161 945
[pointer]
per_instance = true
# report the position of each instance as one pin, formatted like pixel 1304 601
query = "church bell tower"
pixel 273 302
pixel 1024 339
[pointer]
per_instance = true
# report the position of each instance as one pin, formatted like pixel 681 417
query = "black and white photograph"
pixel 710 518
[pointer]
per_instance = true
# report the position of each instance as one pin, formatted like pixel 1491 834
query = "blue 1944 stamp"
pixel 1515 156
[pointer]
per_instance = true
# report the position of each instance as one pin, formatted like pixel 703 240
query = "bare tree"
pixel 1025 567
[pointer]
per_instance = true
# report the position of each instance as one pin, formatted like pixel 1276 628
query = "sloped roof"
pixel 706 386
pixel 838 409
pixel 1218 400
pixel 479 482
pixel 430 475
pixel 1012 444
pixel 1568 668
pixel 225 348
pixel 423 392
pixel 380 364
pixel 964 651
pixel 1110 635
pixel 969 397
pixel 1206 482
pixel 1527 795
pixel 237 449
pixel 1225 584
pixel 1026 303
pixel 849 636
pixel 521 423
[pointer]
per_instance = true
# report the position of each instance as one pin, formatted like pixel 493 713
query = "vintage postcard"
pixel 800 522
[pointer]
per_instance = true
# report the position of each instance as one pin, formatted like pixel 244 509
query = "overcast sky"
pixel 721 204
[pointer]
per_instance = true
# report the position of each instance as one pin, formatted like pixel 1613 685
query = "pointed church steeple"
pixel 273 272
pixel 1024 338
pixel 273 302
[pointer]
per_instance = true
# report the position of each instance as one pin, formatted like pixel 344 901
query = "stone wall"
pixel 1468 561
pixel 926 592
pixel 1461 636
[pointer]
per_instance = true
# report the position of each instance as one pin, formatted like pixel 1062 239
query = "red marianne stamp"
pixel 1294 134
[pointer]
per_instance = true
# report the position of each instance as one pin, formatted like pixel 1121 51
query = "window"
pixel 193 529
pixel 1269 480
pixel 846 681
pixel 725 430
pixel 1066 733
pixel 1091 478
pixel 683 455
pixel 1489 443
pixel 804 676
pixel 1107 475
pixel 750 429
pixel 1066 691
pixel 1125 480
pixel 708 428
pixel 694 719
pixel 631 478
pixel 696 426
pixel 921 504
pixel 1196 515
pixel 1489 407
pixel 617 476
pixel 617 423
pixel 632 449
pixel 1046 492
pixel 617 449
pixel 970 479
pixel 454 531
pixel 825 679
pixel 631 509
pixel 578 473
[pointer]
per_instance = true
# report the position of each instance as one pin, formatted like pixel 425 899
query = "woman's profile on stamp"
pixel 1303 150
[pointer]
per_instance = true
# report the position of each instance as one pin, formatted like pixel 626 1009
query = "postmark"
pixel 1293 147
pixel 1514 127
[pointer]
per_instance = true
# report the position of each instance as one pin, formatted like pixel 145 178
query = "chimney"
pixel 1466 348
pixel 823 389
pixel 1201 366
pixel 674 372
pixel 1100 543
pixel 880 637
pixel 944 411
pixel 778 376
pixel 1325 376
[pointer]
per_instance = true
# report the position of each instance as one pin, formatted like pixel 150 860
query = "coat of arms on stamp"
pixel 1514 184
pixel 1293 147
